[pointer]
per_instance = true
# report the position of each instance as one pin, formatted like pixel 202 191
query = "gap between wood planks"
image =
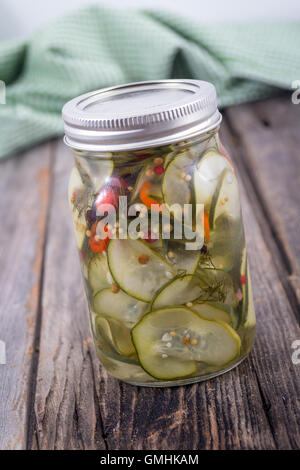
pixel 30 421
pixel 273 239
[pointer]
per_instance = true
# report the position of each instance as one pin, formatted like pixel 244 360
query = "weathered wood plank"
pixel 66 405
pixel 278 377
pixel 24 188
pixel 269 134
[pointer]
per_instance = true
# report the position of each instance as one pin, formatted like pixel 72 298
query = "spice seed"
pixel 172 333
pixel 115 289
pixel 186 340
pixel 188 178
pixel 143 259
pixel 171 254
pixel 194 341
pixel 158 161
pixel 189 304
pixel 167 228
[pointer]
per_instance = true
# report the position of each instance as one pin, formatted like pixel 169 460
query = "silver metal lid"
pixel 140 115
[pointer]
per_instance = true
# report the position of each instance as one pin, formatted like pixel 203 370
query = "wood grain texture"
pixel 277 327
pixel 269 135
pixel 24 189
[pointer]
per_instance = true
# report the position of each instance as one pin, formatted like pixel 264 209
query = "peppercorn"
pixel 203 250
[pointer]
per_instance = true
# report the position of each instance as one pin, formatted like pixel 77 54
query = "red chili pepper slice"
pixel 98 245
pixel 158 170
pixel 149 201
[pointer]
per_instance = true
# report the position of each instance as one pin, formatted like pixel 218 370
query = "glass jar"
pixel 157 218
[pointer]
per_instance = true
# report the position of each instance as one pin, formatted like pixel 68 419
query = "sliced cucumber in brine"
pixel 179 291
pixel 170 342
pixel 207 174
pixel 225 201
pixel 112 334
pixel 95 172
pixel 120 306
pixel 146 174
pixel 176 186
pixel 183 260
pixel 226 241
pixel 75 187
pixel 213 311
pixel 137 269
pixel 99 276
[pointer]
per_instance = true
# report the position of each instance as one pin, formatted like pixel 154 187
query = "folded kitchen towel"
pixel 98 46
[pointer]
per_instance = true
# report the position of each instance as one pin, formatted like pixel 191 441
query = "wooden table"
pixel 53 392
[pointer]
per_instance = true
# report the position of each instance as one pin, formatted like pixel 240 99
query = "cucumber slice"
pixel 175 189
pixel 179 291
pixel 225 242
pixel 213 311
pixel 76 185
pixel 94 171
pixel 166 356
pixel 115 335
pixel 207 174
pixel 120 306
pixel 98 273
pixel 226 199
pixel 147 174
pixel 183 260
pixel 137 280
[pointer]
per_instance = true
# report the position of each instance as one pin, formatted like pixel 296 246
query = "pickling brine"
pixel 163 313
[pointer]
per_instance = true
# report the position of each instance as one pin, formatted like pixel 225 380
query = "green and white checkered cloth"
pixel 98 47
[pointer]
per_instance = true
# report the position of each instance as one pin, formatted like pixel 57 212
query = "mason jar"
pixel 157 218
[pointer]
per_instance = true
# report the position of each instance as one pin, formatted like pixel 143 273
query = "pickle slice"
pixel 120 306
pixel 76 186
pixel 113 335
pixel 170 342
pixel 97 173
pixel 138 270
pixel 98 273
pixel 179 291
pixel 213 311
pixel 176 188
pixel 148 174
pixel 183 260
pixel 207 174
pixel 225 200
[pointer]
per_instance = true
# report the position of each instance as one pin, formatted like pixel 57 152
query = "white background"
pixel 19 18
